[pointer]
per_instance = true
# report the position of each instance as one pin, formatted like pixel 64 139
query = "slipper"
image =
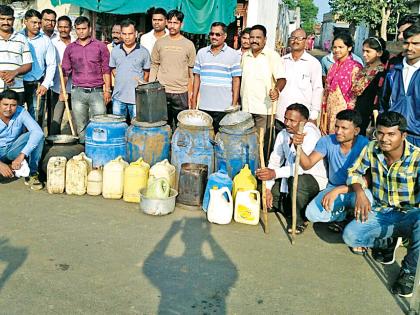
pixel 359 252
pixel 337 227
pixel 299 229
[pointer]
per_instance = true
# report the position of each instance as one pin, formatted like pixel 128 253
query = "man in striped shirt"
pixel 15 56
pixel 394 165
pixel 217 73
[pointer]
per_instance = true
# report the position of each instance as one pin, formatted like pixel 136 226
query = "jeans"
pixel 30 97
pixel 315 212
pixel 381 225
pixel 57 109
pixel 176 103
pixel 85 105
pixel 9 153
pixel 121 108
pixel 217 117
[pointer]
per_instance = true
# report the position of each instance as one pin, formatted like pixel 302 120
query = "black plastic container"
pixel 151 103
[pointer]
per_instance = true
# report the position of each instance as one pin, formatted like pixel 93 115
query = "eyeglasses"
pixel 215 34
pixel 299 39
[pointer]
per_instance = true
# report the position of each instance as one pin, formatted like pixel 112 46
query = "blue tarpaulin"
pixel 199 14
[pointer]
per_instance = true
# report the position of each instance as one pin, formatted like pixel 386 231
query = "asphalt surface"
pixel 63 254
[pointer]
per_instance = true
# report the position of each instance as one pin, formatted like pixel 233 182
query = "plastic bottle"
pixel 247 207
pixel 135 178
pixel 94 182
pixel 77 169
pixel 219 179
pixel 220 208
pixel 244 181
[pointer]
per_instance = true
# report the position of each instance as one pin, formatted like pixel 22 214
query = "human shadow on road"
pixel 13 257
pixel 325 234
pixel 198 281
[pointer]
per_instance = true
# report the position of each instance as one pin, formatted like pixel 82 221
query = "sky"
pixel 323 8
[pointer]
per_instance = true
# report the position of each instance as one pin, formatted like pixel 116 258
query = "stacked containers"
pixel 106 139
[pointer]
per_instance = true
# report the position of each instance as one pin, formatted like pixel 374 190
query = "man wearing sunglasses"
pixel 217 72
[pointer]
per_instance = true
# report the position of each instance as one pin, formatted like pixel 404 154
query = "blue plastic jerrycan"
pixel 219 179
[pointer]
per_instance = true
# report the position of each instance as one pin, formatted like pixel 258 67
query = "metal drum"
pixel 148 141
pixel 106 139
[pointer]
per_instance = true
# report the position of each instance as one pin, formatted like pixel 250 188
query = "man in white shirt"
pixel 57 100
pixel 303 79
pixel 282 163
pixel 159 19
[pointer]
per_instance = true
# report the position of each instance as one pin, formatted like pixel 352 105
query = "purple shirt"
pixel 86 64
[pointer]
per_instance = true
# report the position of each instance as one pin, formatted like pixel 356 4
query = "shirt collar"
pixel 25 32
pixel 78 42
pixel 223 48
pixel 263 52
pixel 303 57
pixel 406 65
pixel 122 47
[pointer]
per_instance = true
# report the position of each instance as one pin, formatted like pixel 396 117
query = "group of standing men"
pixel 380 180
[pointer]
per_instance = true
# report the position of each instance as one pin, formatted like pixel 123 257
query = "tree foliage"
pixel 380 15
pixel 308 12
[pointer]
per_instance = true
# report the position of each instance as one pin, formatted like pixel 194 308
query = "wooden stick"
pixel 263 186
pixel 66 104
pixel 270 138
pixel 38 102
pixel 295 184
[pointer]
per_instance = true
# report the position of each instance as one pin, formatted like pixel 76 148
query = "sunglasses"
pixel 215 34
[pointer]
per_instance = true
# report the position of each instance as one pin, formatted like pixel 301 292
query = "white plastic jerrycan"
pixel 247 207
pixel 94 182
pixel 220 209
pixel 113 178
pixel 56 174
pixel 77 170
pixel 163 169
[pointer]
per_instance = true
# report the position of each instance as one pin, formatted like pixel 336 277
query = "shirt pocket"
pixel 304 81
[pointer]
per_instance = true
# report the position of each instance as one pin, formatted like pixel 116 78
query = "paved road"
pixel 64 254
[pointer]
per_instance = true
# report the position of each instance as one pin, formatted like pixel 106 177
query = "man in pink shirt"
pixel 87 60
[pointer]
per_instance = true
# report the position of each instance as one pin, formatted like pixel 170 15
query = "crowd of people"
pixel 367 190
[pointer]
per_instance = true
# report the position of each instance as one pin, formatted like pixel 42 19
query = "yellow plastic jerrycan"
pixel 244 181
pixel 77 170
pixel 247 207
pixel 113 178
pixel 163 169
pixel 135 178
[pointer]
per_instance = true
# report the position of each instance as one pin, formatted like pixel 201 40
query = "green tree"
pixel 308 13
pixel 380 15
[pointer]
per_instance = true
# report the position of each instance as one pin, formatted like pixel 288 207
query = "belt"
pixel 89 90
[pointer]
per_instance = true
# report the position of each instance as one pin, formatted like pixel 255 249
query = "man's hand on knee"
pixel 329 199
pixel 17 163
pixel 5 170
pixel 362 207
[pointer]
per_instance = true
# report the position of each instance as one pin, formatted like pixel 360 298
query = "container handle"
pixel 228 193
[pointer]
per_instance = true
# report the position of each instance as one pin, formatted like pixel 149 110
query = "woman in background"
pixel 370 79
pixel 338 94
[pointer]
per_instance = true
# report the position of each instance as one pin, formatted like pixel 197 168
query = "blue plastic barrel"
pixel 219 179
pixel 192 144
pixel 235 149
pixel 148 141
pixel 106 139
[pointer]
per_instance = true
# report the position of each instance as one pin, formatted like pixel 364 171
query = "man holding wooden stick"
pixel 282 160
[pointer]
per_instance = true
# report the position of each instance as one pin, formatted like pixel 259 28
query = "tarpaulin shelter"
pixel 199 14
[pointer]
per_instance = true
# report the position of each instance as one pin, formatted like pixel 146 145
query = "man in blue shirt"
pixel 340 150
pixel 130 63
pixel 217 76
pixel 17 145
pixel 40 78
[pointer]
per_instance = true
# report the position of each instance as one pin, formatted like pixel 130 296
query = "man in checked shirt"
pixel 394 164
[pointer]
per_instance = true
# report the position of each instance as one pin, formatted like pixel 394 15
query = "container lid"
pixel 145 124
pixel 108 118
pixel 236 122
pixel 62 139
pixel 195 118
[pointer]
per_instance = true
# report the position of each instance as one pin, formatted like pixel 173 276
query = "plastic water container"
pixel 148 141
pixel 135 178
pixel 106 139
pixel 235 148
pixel 192 141
pixel 219 179
pixel 247 207
pixel 77 170
pixel 151 103
pixel 94 182
pixel 163 169
pixel 113 178
pixel 220 209
pixel 56 175
pixel 244 181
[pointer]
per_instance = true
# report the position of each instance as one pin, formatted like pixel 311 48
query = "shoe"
pixel 299 228
pixel 34 182
pixel 404 284
pixel 387 256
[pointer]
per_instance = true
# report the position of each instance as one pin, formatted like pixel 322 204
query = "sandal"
pixel 361 251
pixel 299 228
pixel 337 227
